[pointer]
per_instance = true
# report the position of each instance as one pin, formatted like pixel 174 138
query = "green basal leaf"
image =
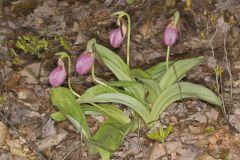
pixel 65 101
pixel 121 98
pixel 94 91
pixel 154 136
pixel 114 63
pixel 110 135
pixel 121 83
pixel 107 110
pixel 168 131
pixel 139 73
pixel 151 84
pixel 120 70
pixel 188 90
pixel 58 116
pixel 130 1
pixel 181 67
pixel 158 70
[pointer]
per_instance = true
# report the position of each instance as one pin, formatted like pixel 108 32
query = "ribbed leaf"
pixel 120 70
pixel 107 110
pixel 158 70
pixel 110 136
pixel 97 90
pixel 150 83
pixel 188 90
pixel 121 83
pixel 114 63
pixel 181 67
pixel 58 116
pixel 65 101
pixel 127 100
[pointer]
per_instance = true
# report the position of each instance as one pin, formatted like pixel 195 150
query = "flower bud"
pixel 117 35
pixel 170 35
pixel 58 75
pixel 116 38
pixel 84 63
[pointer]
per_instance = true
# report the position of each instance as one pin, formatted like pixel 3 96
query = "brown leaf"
pixel 3 134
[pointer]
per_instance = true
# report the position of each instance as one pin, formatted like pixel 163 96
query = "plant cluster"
pixel 37 46
pixel 147 93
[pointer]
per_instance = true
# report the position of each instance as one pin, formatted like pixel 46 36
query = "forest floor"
pixel 209 28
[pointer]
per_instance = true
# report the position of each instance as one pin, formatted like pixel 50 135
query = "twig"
pixel 229 72
pixel 180 91
pixel 139 142
pixel 222 97
pixel 30 143
pixel 210 42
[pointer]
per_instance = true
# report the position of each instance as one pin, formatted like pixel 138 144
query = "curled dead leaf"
pixel 3 134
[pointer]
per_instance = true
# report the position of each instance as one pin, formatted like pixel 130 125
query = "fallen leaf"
pixel 48 129
pixel 212 115
pixel 3 134
pixel 200 117
pixel 156 151
pixel 234 120
pixel 16 148
pixel 52 140
pixel 205 157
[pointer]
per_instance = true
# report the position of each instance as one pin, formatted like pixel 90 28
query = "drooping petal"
pixel 116 37
pixel 170 35
pixel 84 63
pixel 57 76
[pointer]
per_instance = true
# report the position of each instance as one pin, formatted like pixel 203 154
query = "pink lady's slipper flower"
pixel 58 75
pixel 117 35
pixel 170 35
pixel 84 63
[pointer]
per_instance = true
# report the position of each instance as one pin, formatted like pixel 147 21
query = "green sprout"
pixel 210 129
pixel 162 134
pixel 31 44
pixel 130 1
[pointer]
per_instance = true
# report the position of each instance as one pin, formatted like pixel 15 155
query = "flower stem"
pixel 62 56
pixel 128 39
pixel 167 57
pixel 69 79
pixel 120 14
pixel 100 82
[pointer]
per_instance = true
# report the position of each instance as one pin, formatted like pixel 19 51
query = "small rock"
pixel 212 115
pixel 173 147
pixel 202 143
pixel 205 157
pixel 156 151
pixel 75 27
pixel 213 139
pixel 52 140
pixel 48 129
pixel 188 155
pixel 31 72
pixel 200 117
pixel 235 109
pixel 81 38
pixel 16 148
pixel 234 120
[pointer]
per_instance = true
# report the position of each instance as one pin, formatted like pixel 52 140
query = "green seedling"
pixel 162 134
pixel 65 44
pixel 31 44
pixel 218 70
pixel 130 1
pixel 15 58
pixel 210 129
